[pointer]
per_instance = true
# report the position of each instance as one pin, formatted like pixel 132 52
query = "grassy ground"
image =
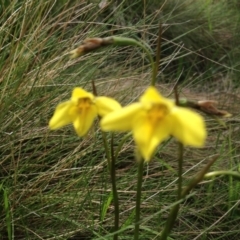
pixel 55 185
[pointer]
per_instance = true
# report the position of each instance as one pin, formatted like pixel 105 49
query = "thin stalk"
pixel 138 198
pixel 104 137
pixel 114 190
pixel 111 166
pixel 180 165
pixel 230 179
pixel 106 148
pixel 174 211
pixel 158 56
pixel 180 153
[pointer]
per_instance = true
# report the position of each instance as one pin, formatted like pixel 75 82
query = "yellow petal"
pixel 151 95
pixel 84 120
pixel 188 127
pixel 80 93
pixel 106 105
pixel 148 136
pixel 122 119
pixel 62 115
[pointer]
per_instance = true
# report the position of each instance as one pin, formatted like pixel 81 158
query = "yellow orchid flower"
pixel 153 119
pixel 81 110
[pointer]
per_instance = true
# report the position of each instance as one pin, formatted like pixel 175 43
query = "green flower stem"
pixel 224 173
pixel 174 211
pixel 104 137
pixel 122 41
pixel 138 198
pixel 111 166
pixel 180 164
pixel 180 154
pixel 114 189
pixel 106 148
pixel 158 55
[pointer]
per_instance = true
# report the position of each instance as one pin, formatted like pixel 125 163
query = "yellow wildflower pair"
pixel 151 120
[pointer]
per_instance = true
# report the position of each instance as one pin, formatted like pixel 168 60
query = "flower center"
pixel 83 104
pixel 157 112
